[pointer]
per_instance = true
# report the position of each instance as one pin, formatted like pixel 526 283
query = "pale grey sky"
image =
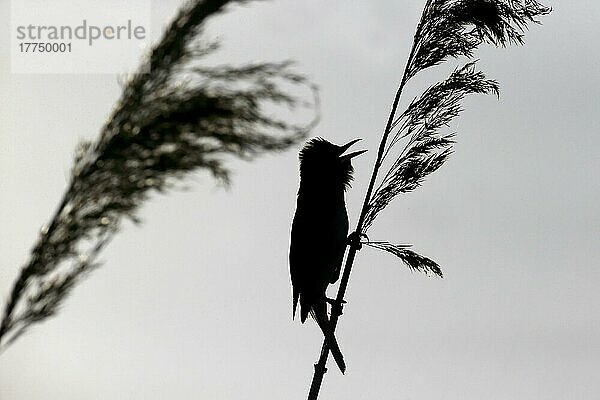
pixel 196 303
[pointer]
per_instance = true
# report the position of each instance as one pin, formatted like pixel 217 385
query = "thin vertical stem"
pixel 320 367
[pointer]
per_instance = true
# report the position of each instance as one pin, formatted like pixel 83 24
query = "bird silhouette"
pixel 320 230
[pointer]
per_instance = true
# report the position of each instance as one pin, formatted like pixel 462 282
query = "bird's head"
pixel 324 164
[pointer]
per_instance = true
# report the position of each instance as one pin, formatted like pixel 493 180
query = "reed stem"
pixel 336 311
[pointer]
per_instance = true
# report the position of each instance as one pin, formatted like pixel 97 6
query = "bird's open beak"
pixel 349 155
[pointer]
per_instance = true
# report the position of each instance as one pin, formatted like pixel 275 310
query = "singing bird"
pixel 320 230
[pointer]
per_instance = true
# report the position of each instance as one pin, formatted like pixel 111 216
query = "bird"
pixel 319 232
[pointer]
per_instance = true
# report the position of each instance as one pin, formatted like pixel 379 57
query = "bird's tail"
pixel 295 302
pixel 319 312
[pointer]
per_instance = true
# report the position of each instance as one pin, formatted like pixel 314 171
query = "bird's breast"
pixel 323 219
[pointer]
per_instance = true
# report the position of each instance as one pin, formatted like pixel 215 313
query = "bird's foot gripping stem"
pixel 336 306
pixel 354 239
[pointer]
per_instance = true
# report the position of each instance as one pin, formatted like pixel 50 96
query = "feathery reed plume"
pixel 414 261
pixel 447 29
pixel 427 148
pixel 177 118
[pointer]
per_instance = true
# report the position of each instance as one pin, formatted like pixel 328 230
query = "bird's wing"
pixel 298 257
pixel 339 245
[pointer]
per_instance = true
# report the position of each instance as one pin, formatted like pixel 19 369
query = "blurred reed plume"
pixel 177 118
pixel 447 29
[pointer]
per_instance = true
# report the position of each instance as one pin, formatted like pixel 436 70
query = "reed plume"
pixel 174 117
pixel 447 29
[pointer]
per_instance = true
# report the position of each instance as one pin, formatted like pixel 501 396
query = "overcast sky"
pixel 196 302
